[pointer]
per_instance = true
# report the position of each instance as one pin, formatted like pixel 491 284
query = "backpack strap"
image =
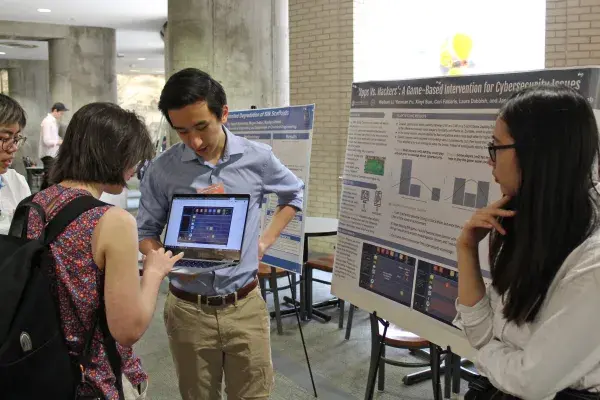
pixel 109 343
pixel 20 221
pixel 68 214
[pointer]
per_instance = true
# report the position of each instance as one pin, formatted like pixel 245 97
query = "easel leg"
pixel 374 367
pixel 448 373
pixel 304 343
pixel 456 368
pixel 435 352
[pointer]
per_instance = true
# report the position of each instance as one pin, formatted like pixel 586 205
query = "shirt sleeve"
pixel 154 205
pixel 48 138
pixel 278 179
pixel 564 345
pixel 476 321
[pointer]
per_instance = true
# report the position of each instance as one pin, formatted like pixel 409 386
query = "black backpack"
pixel 34 359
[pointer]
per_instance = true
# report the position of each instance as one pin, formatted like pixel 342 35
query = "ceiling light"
pixel 44 10
pixel 134 70
pixel 2 53
pixel 19 45
pixel 141 59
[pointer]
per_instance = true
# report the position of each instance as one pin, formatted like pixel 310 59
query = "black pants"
pixel 482 389
pixel 48 162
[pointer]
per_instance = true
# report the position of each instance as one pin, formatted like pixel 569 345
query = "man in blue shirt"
pixel 217 323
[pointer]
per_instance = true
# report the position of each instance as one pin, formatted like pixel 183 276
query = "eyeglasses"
pixel 14 140
pixel 493 148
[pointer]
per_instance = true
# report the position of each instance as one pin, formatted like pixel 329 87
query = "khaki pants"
pixel 207 342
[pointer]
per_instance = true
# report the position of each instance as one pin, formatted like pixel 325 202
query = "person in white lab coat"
pixel 50 140
pixel 13 186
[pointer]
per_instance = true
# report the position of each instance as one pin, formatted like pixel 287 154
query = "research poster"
pixel 415 170
pixel 288 131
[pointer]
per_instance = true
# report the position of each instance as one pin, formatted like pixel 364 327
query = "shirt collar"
pixel 234 145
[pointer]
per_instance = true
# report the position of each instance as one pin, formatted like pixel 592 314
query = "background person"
pixel 535 326
pixel 98 251
pixel 50 140
pixel 13 186
pixel 218 323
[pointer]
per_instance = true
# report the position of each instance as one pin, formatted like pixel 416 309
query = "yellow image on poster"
pixel 455 55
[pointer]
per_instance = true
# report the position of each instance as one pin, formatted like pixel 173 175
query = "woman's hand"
pixel 160 261
pixel 482 222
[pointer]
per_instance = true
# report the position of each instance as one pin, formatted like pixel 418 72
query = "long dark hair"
pixel 556 139
pixel 102 141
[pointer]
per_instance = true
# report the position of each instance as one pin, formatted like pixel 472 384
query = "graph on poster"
pixel 461 197
pixel 465 192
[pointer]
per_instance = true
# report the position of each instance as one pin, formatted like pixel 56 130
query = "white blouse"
pixel 560 349
pixel 13 189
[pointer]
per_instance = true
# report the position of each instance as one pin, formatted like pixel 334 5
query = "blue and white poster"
pixel 288 130
pixel 416 168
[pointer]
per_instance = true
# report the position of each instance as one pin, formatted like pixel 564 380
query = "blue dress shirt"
pixel 246 167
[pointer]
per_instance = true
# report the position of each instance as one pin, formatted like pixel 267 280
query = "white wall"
pixel 396 39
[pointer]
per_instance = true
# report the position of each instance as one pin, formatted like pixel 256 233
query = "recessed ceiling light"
pixel 44 10
pixel 2 53
pixel 134 70
pixel 141 59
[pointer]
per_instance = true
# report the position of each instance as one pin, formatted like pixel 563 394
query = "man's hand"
pixel 282 216
pixel 262 249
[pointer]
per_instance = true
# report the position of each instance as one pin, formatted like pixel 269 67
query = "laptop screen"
pixel 207 221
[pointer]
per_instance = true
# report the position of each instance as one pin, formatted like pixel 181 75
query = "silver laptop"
pixel 208 228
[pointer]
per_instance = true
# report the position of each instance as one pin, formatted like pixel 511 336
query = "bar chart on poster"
pixel 416 168
pixel 463 192
pixel 477 198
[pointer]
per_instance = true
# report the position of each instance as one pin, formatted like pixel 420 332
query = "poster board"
pixel 415 171
pixel 288 130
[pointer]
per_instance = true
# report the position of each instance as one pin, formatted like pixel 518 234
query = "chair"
pixel 398 338
pixel 271 274
pixel 325 264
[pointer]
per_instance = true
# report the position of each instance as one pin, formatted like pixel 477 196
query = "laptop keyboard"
pixel 195 264
pixel 204 265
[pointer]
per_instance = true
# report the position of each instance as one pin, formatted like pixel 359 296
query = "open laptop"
pixel 208 228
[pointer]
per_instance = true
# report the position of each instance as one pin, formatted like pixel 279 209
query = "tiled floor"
pixel 340 367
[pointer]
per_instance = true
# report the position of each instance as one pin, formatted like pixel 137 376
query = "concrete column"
pixel 93 67
pixel 59 57
pixel 165 35
pixel 83 68
pixel 16 83
pixel 28 84
pixel 242 44
pixel 281 51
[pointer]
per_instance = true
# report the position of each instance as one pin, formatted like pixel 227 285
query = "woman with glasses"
pixel 13 186
pixel 536 326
